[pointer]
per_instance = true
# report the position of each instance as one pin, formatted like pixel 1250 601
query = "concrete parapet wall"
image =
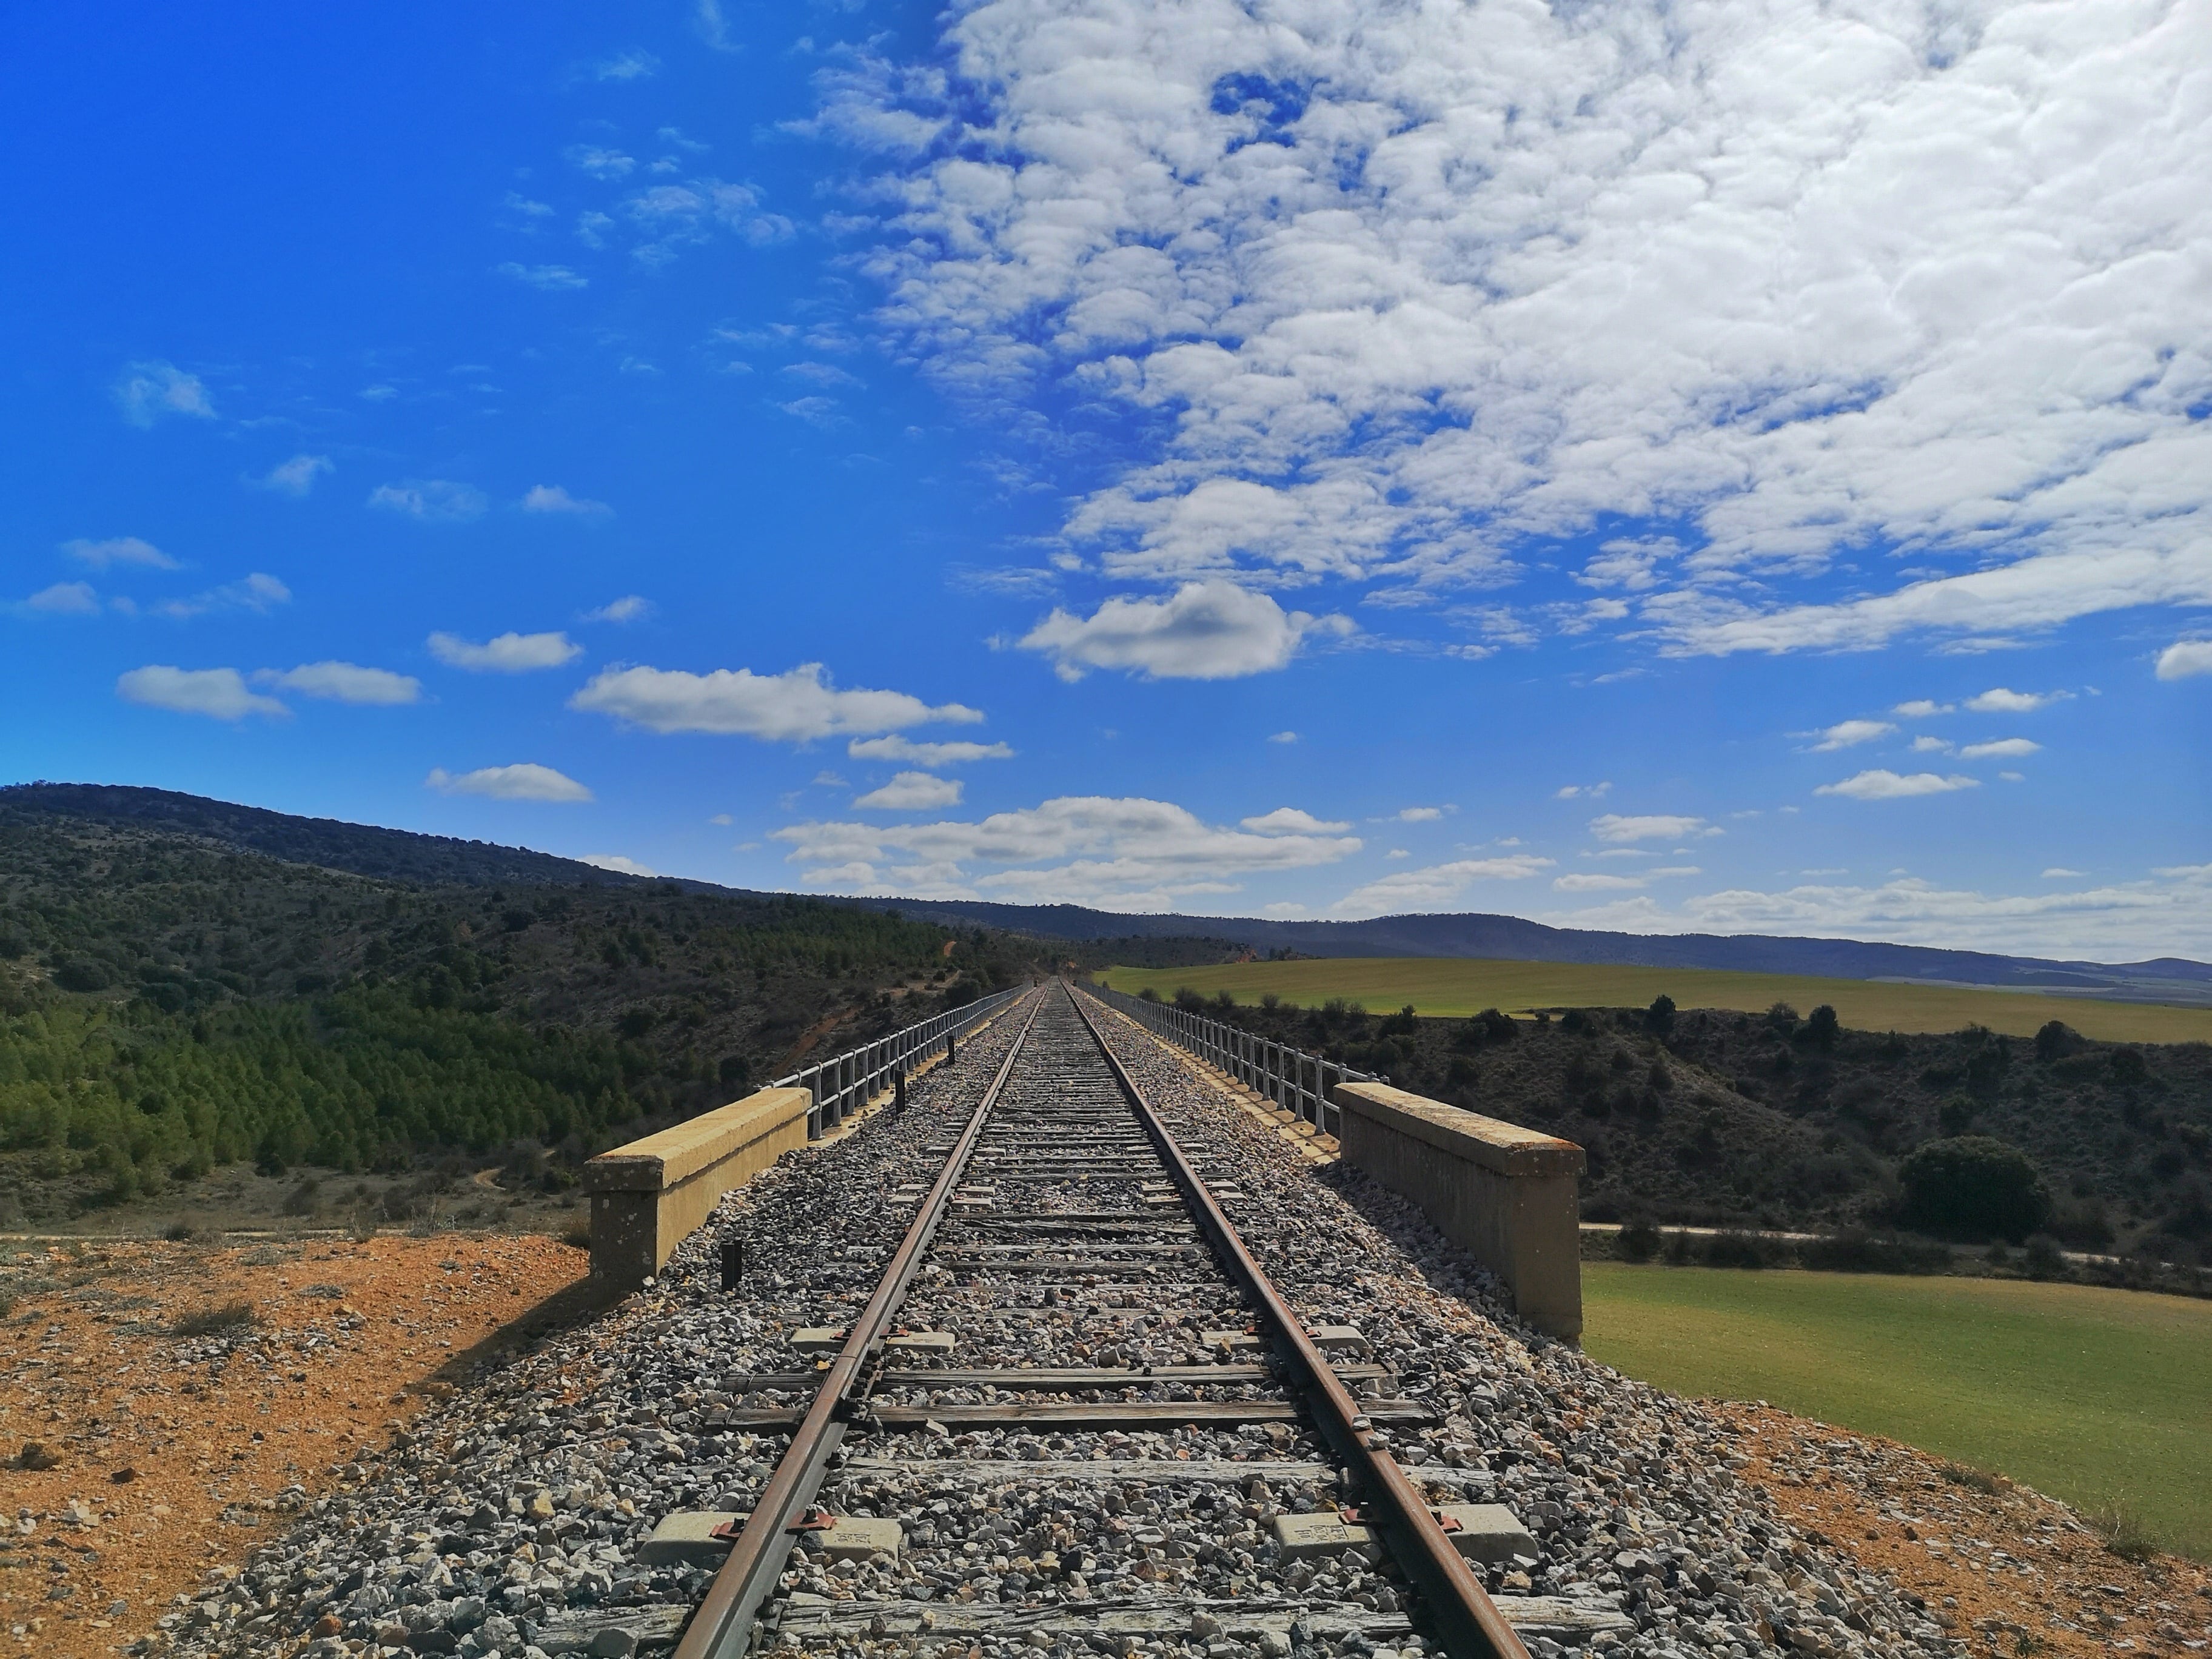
pixel 1504 1193
pixel 647 1197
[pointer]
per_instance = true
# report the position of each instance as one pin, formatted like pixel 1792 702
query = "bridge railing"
pixel 1299 1083
pixel 844 1083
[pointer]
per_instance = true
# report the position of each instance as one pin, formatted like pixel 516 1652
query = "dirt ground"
pixel 172 1456
pixel 2011 1572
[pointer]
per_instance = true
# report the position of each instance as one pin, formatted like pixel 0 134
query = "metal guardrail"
pixel 1295 1080
pixel 843 1084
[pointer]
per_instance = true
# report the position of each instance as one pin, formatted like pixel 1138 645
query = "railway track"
pixel 1075 1244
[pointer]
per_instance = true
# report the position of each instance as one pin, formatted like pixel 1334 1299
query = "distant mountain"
pixel 2165 979
pixel 399 855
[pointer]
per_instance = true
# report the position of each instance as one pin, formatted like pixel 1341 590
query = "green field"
pixel 1460 986
pixel 2094 1396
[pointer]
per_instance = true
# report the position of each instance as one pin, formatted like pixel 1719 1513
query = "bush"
pixel 2042 1259
pixel 1956 1116
pixel 1972 1187
pixel 1738 1250
pixel 81 974
pixel 1148 994
pixel 1660 1016
pixel 1639 1241
pixel 213 1321
pixel 2127 1066
pixel 1822 1027
pixel 2056 1040
pixel 1861 1252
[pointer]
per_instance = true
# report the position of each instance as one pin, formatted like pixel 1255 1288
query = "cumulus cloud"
pixel 1652 826
pixel 1928 746
pixel 153 390
pixel 1920 709
pixel 1434 885
pixel 2000 749
pixel 631 607
pixel 219 693
pixel 598 161
pixel 507 654
pixel 1584 790
pixel 525 781
pixel 1292 820
pixel 912 791
pixel 60 599
pixel 1123 852
pixel 296 476
pixel 259 592
pixel 345 681
pixel 118 550
pixel 618 863
pixel 1590 882
pixel 931 755
pixel 1846 734
pixel 1207 630
pixel 2183 659
pixel 2000 701
pixel 1283 737
pixel 552 498
pixel 2060 873
pixel 1419 814
pixel 1400 288
pixel 1883 785
pixel 433 501
pixel 793 707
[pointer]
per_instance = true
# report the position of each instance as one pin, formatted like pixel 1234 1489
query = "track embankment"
pixel 1140 1511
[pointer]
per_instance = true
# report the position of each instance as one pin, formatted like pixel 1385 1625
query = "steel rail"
pixel 1467 1619
pixel 722 1626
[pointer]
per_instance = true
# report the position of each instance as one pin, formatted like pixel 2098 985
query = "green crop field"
pixel 1460 986
pixel 2094 1396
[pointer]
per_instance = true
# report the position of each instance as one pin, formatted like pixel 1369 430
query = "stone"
pixel 1489 1533
pixel 1297 1537
pixel 1235 1341
pixel 613 1642
pixel 857 1538
pixel 819 1339
pixel 1338 1338
pixel 686 1538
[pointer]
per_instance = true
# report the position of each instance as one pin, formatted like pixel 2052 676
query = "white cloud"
pixel 1920 709
pixel 1882 785
pixel 345 681
pixel 2060 873
pixel 722 818
pixel 1288 737
pixel 1847 733
pixel 1653 826
pixel 1397 852
pixel 221 693
pixel 1418 814
pixel 2183 659
pixel 925 754
pixel 1588 882
pixel 1999 700
pixel 118 550
pixel 2001 748
pixel 260 592
pixel 1125 854
pixel 2170 914
pixel 61 599
pixel 793 707
pixel 1401 287
pixel 635 64
pixel 618 863
pixel 433 501
pixel 599 162
pixel 1291 820
pixel 552 498
pixel 912 791
pixel 630 608
pixel 1583 791
pixel 1928 746
pixel 1673 870
pixel 150 391
pixel 526 780
pixel 1208 630
pixel 507 654
pixel 296 476
pixel 1434 885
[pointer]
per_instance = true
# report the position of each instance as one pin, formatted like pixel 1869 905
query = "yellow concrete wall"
pixel 648 1196
pixel 1505 1194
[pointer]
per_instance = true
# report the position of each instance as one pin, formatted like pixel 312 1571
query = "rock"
pixel 35 1455
pixel 613 1642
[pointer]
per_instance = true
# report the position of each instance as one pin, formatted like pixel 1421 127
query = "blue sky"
pixel 1746 472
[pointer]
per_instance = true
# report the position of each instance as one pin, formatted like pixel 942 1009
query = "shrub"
pixel 1956 1116
pixel 2121 1531
pixel 213 1321
pixel 1148 994
pixel 1660 1016
pixel 1639 1241
pixel 1734 1250
pixel 2042 1259
pixel 2127 1066
pixel 2056 1040
pixel 1270 1001
pixel 81 974
pixel 1782 1018
pixel 1404 1023
pixel 1822 1027
pixel 1972 1187
pixel 1223 1003
pixel 1857 1251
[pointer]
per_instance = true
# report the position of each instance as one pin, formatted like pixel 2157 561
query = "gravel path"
pixel 509 1523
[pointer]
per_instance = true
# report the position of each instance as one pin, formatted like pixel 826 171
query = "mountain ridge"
pixel 368 849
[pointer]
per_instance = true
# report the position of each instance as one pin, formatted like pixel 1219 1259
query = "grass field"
pixel 1460 986
pixel 2092 1395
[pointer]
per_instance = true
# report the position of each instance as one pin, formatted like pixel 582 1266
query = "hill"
pixel 2165 979
pixel 1724 1118
pixel 174 996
